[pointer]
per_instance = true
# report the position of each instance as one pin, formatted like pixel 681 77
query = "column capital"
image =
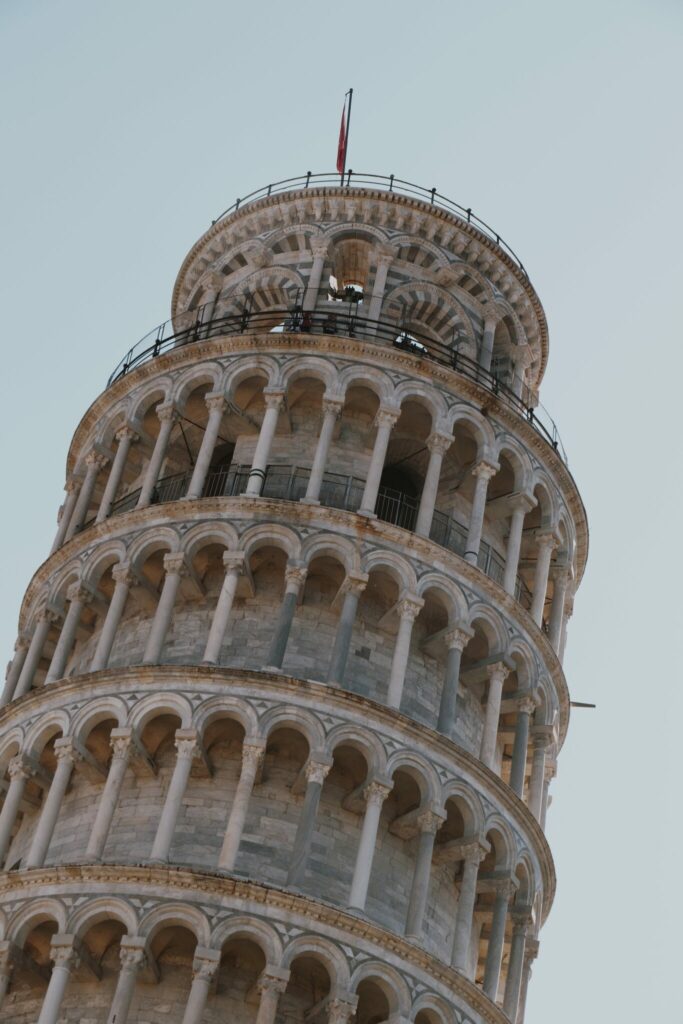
pixel 458 636
pixel 65 751
pixel 541 737
pixel 127 433
pixel 63 951
pixel 215 400
pixel 319 247
pixel 438 442
pixel 186 743
pixel 474 852
pixel 430 821
pixel 498 670
pixel 95 458
pixel 409 606
pixel 355 582
pixel 560 574
pixel 387 415
pixel 295 575
pixel 273 979
pixel 167 412
pixel 132 952
pixel 174 563
pixel 205 963
pixel 504 888
pixel 526 703
pixel 72 484
pixel 547 539
pixel 22 643
pixel 340 1011
pixel 485 470
pixel 273 397
pixel 522 502
pixel 253 752
pixel 521 919
pixel 79 591
pixel 120 741
pixel 384 254
pixel 123 573
pixel 50 615
pixel 316 771
pixel 377 791
pixel 21 766
pixel 333 404
pixel 234 561
pixel 531 950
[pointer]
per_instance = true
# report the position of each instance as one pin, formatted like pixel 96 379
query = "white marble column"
pixel 234 566
pixel 408 608
pixel 65 959
pixel 353 587
pixel 167 415
pixel 384 261
pixel 45 619
pixel 520 505
pixel 497 674
pixel 216 405
pixel 124 579
pixel 375 795
pixel 315 773
pixel 486 350
pixel 385 419
pixel 186 747
pixel 473 855
pixel 545 544
pixel 521 360
pixel 71 487
pixel 133 957
pixel 331 409
pixel 204 966
pixel 530 954
pixel 482 473
pixel 20 769
pixel 271 984
pixel 319 249
pixel 526 705
pixel 494 956
pixel 252 756
pixel 541 739
pixel 457 639
pixel 21 647
pixel 273 397
pixel 513 983
pixel 52 803
pixel 438 445
pixel 428 824
pixel 560 577
pixel 94 462
pixel 125 437
pixel 174 567
pixel 294 580
pixel 78 596
pixel 120 741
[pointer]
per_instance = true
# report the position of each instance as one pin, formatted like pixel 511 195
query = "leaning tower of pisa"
pixel 287 694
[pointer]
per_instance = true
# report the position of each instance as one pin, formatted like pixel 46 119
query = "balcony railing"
pixel 348 325
pixel 383 182
pixel 288 483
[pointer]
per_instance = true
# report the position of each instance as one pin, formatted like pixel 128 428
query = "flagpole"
pixel 348 129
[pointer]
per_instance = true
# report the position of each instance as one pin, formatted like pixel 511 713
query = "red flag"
pixel 341 147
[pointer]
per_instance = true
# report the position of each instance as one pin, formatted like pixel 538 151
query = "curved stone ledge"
pixel 397 731
pixel 213 898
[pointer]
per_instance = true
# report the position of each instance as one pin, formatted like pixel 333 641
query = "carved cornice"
pixel 176 883
pixel 324 695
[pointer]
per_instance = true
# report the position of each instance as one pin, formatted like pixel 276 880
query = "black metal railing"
pixel 289 483
pixel 345 324
pixel 384 183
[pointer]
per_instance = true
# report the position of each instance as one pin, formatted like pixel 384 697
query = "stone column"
pixel 486 350
pixel 521 359
pixel 332 407
pixel 234 564
pixel 271 984
pixel 530 954
pixel 124 579
pixel 497 674
pixel 315 773
pixel 186 746
pixel 204 967
pixel 473 855
pixel 494 957
pixel 65 959
pixel 513 984
pixel 125 437
pixel 438 445
pixel 429 824
pixel 174 566
pixel 353 585
pixel 541 741
pixel 133 957
pixel 375 795
pixel 167 415
pixel 252 756
pixel 94 462
pixel 52 804
pixel 294 579
pixel 71 488
pixel 45 619
pixel 546 542
pixel 215 403
pixel 457 639
pixel 520 505
pixel 120 741
pixel 7 952
pixel 385 419
pixel 20 769
pixel 79 596
pixel 560 577
pixel 526 706
pixel 549 774
pixel 274 398
pixel 21 647
pixel 319 248
pixel 482 472
pixel 408 609
pixel 384 261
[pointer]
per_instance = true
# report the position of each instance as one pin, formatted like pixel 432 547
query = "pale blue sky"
pixel 128 126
